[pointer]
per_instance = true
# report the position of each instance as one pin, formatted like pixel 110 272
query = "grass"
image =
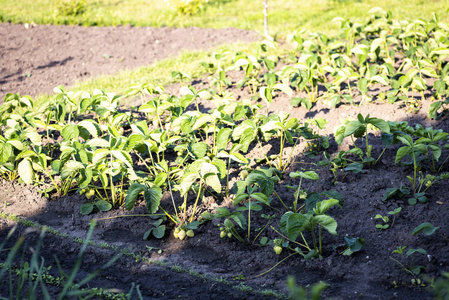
pixel 285 16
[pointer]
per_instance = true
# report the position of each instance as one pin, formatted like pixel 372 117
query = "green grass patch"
pixel 285 16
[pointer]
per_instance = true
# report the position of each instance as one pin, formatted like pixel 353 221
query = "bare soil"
pixel 368 274
pixel 34 60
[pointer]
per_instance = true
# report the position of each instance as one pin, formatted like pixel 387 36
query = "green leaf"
pixel 199 149
pixel 353 127
pixel 87 208
pixel 427 228
pixel 363 85
pixel 327 222
pixel 133 192
pixel 381 124
pixel 153 198
pixel 159 232
pixel 261 198
pixel 222 138
pixel 311 201
pixel 70 132
pixel 91 126
pixel 413 251
pixel 70 168
pixel 406 140
pixel 240 197
pixel 403 151
pixel 238 158
pixel 6 152
pixel 187 181
pixel 208 168
pixel 103 205
pixel 323 206
pixel 26 171
pixel 123 156
pixel 355 244
pixel 213 181
pixel 98 143
pixel 307 175
pixel 296 223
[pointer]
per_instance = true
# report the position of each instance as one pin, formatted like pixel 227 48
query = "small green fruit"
pixel 182 234
pixel 277 249
pixel 90 194
pixel 222 234
pixel 229 235
pixel 244 174
pixel 190 233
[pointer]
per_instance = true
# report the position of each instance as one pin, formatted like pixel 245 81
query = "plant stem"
pixel 281 200
pixel 196 201
pixel 227 177
pixel 269 270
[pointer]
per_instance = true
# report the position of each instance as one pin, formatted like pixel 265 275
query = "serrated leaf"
pixel 70 132
pixel 213 181
pixel 222 138
pixel 327 222
pixel 403 151
pixel 199 149
pixel 103 205
pixel 133 192
pixel 262 198
pixel 87 208
pixel 296 223
pixel 187 181
pixel 153 198
pixel 26 171
pixel 427 228
pixel 240 197
pixel 159 231
pixel 379 123
pixel 91 127
pixel 70 167
pixel 307 175
pixel 323 206
pixel 123 156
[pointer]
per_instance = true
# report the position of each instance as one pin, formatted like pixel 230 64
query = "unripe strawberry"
pixel 222 234
pixel 244 174
pixel 190 233
pixel 229 235
pixel 277 249
pixel 90 194
pixel 182 234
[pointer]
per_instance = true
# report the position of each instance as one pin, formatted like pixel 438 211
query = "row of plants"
pixel 175 150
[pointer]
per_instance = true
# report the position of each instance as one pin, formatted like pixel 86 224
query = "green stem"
pixel 414 171
pixel 143 215
pixel 290 156
pixel 261 231
pixel 249 221
pixel 227 177
pixel 281 151
pixel 269 270
pixel 281 200
pixel 196 201
pixel 320 237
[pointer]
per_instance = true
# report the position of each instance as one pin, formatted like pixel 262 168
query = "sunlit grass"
pixel 285 16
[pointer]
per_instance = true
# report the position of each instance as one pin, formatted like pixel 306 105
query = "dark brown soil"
pixel 368 274
pixel 34 60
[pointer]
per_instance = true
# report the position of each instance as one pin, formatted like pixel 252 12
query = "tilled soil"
pixel 34 60
pixel 368 274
